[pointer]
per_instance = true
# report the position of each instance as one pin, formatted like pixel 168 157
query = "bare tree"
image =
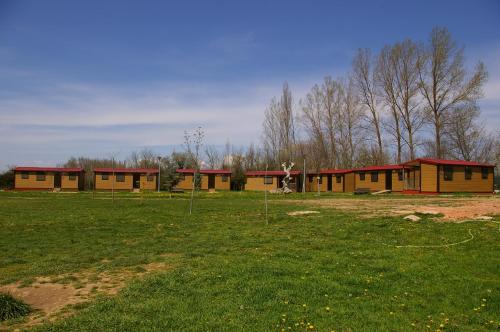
pixel 466 138
pixel 443 80
pixel 193 143
pixel 214 157
pixel 313 114
pixel 365 83
pixel 349 120
pixel 386 84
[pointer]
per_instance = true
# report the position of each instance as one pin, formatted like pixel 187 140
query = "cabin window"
pixel 339 179
pixel 224 178
pixel 448 173
pixel 320 179
pixel 40 176
pixel 361 176
pixel 292 180
pixel 104 177
pixel 400 175
pixel 72 177
pixel 182 177
pixel 374 176
pixel 311 178
pixel 468 172
pixel 268 180
pixel 151 178
pixel 120 177
pixel 484 173
pixel 25 175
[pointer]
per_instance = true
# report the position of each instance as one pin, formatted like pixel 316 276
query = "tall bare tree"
pixel 312 120
pixel 364 80
pixel 444 82
pixel 214 157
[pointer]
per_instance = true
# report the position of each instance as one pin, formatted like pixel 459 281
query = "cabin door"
pixel 57 180
pixel 136 181
pixel 329 182
pixel 388 180
pixel 211 181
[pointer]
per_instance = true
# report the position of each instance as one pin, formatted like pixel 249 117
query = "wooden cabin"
pixel 49 178
pixel 271 180
pixel 211 179
pixel 337 180
pixel 378 178
pixel 125 179
pixel 426 175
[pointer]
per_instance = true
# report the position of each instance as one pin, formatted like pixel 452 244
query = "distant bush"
pixel 11 307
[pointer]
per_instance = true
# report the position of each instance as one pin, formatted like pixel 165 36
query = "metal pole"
pixel 265 194
pixel 113 180
pixel 159 172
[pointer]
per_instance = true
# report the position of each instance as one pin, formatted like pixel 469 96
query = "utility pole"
pixel 113 180
pixel 159 172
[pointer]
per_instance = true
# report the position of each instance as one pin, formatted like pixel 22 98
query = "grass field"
pixel 224 269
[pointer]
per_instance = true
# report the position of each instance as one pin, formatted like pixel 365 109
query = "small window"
pixel 105 177
pixel 339 179
pixel 182 177
pixel 484 173
pixel 374 176
pixel 151 178
pixel 448 173
pixel 120 177
pixel 268 180
pixel 320 179
pixel 72 177
pixel 25 175
pixel 311 178
pixel 361 176
pixel 40 176
pixel 224 178
pixel 468 172
pixel 400 175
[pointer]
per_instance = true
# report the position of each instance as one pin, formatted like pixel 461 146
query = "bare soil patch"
pixel 51 296
pixel 445 208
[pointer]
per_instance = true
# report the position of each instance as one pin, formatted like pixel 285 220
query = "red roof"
pixel 447 162
pixel 335 171
pixel 270 173
pixel 378 168
pixel 204 171
pixel 126 170
pixel 48 169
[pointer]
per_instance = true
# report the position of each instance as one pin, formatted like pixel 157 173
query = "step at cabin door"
pixel 57 180
pixel 211 181
pixel 388 180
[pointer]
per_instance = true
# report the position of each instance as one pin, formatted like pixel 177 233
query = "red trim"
pixel 203 171
pixel 378 168
pixel 335 171
pixel 126 170
pixel 48 169
pixel 447 162
pixel 271 173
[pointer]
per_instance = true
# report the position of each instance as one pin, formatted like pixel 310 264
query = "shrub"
pixel 10 307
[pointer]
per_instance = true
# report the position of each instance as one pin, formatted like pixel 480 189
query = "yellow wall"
pixel 32 183
pixel 396 184
pixel 429 178
pixel 66 183
pixel 337 187
pixel 101 184
pixel 148 185
pixel 367 184
pixel 459 184
pixel 349 182
pixel 313 186
pixel 187 182
pixel 257 183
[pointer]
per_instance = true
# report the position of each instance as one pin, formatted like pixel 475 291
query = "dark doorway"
pixel 211 181
pixel 57 180
pixel 388 180
pixel 137 181
pixel 329 182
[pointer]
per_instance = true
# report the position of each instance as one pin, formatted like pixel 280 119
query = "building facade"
pixel 125 179
pixel 211 179
pixel 49 178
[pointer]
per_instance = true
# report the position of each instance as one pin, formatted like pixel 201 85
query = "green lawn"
pixel 232 272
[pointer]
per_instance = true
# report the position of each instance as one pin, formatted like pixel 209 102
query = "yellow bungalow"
pixel 378 178
pixel 271 180
pixel 431 176
pixel 211 179
pixel 49 178
pixel 125 179
pixel 337 180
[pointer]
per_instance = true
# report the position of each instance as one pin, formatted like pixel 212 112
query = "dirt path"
pixel 451 208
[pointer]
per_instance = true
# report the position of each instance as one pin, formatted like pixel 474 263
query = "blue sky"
pixel 101 78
